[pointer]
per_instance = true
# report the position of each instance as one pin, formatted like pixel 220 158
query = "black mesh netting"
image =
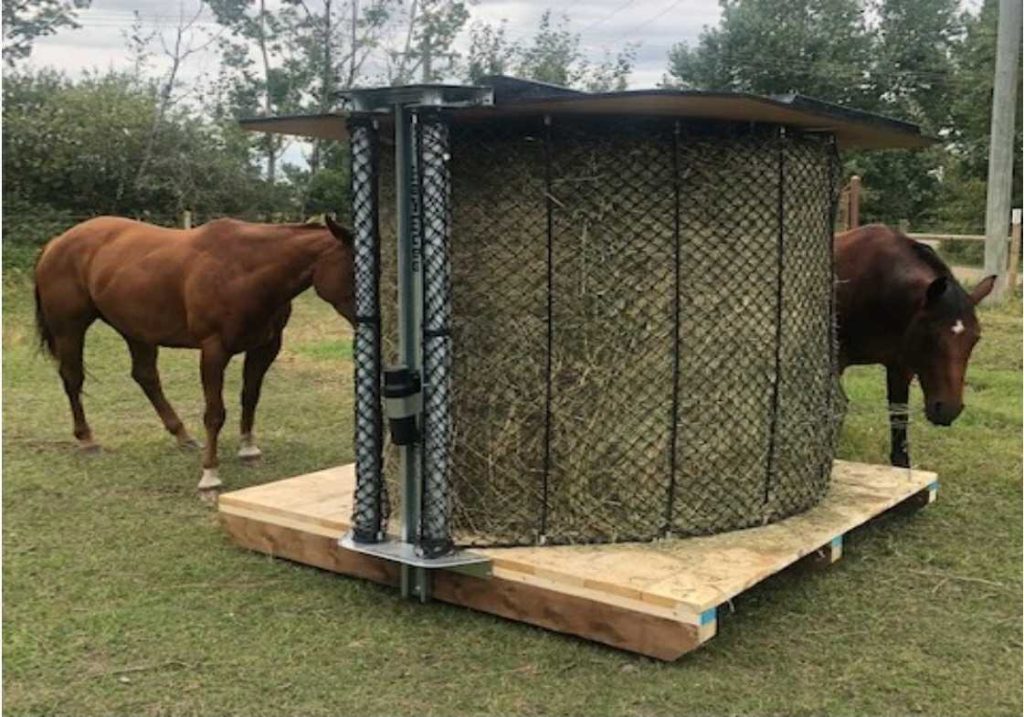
pixel 370 510
pixel 434 186
pixel 641 338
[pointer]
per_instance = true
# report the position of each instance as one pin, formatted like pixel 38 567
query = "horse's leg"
pixel 897 381
pixel 145 373
pixel 213 360
pixel 68 349
pixel 257 361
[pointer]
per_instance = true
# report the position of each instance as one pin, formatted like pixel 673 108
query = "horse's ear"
pixel 936 289
pixel 340 233
pixel 983 289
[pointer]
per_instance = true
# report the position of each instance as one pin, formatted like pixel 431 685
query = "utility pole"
pixel 427 16
pixel 427 70
pixel 354 45
pixel 1000 150
pixel 327 91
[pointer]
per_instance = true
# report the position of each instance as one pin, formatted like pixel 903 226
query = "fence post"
pixel 1011 274
pixel 854 211
pixel 186 219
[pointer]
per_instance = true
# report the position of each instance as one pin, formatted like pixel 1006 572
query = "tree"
pixel 77 146
pixel 490 51
pixel 912 68
pixel 429 29
pixel 271 84
pixel 900 58
pixel 970 98
pixel 910 78
pixel 552 55
pixel 820 48
pixel 184 44
pixel 26 20
pixel 962 197
pixel 293 57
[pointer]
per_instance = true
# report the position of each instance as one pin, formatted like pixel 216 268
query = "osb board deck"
pixel 656 598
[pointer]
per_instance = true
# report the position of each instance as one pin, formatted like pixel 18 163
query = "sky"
pixel 603 25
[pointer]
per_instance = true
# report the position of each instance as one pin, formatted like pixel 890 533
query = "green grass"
pixel 326 350
pixel 123 597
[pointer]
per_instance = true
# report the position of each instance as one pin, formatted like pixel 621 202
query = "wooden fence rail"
pixel 849 218
pixel 947 237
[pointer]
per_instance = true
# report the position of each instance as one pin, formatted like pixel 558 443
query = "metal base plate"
pixel 461 561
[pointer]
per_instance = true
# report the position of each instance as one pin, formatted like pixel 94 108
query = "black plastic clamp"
pixel 402 402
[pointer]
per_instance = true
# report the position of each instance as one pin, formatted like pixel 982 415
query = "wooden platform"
pixel 659 599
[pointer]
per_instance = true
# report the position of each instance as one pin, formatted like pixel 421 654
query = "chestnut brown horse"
pixel 898 305
pixel 224 288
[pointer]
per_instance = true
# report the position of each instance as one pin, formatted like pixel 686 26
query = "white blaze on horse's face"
pixel 958 327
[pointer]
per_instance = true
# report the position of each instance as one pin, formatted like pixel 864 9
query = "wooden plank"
pixel 696 574
pixel 651 635
pixel 854 198
pixel 688 576
pixel 823 557
pixel 919 500
pixel 307 547
pixel 948 237
pixel 659 636
pixel 658 599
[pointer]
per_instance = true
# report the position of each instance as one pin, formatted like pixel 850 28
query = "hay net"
pixel 639 328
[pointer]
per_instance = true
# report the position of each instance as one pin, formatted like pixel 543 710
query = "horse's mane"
pixel 294 226
pixel 308 225
pixel 929 256
pixel 955 301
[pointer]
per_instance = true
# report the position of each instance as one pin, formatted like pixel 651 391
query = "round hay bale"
pixel 642 326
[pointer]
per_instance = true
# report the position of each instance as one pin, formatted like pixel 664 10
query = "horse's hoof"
pixel 210 480
pixel 88 448
pixel 248 451
pixel 250 455
pixel 189 444
pixel 209 496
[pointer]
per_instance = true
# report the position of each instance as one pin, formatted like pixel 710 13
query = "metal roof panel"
pixel 853 129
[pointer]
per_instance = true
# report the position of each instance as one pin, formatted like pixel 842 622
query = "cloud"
pixel 654 26
pixel 603 25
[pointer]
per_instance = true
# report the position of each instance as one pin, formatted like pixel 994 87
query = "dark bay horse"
pixel 898 305
pixel 223 288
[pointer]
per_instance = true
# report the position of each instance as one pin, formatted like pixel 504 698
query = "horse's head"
pixel 334 274
pixel 939 341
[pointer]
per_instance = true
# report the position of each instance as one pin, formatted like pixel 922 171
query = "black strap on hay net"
pixel 640 340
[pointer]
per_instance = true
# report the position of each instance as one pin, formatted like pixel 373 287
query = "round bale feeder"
pixel 586 320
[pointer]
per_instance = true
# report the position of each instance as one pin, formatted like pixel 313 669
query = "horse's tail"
pixel 43 331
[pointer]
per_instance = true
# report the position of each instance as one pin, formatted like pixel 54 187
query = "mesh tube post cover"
pixel 432 151
pixel 370 512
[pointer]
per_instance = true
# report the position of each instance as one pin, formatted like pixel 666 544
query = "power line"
pixel 658 16
pixel 607 17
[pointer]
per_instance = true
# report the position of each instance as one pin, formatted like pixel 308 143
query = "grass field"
pixel 123 597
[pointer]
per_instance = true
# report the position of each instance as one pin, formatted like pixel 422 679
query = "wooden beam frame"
pixel 658 599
